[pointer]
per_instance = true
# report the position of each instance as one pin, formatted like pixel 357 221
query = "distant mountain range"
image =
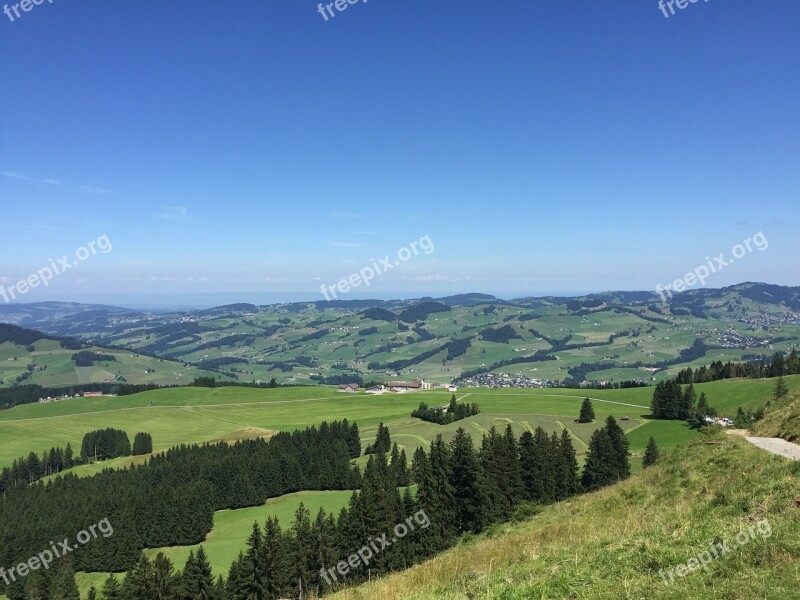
pixel 607 336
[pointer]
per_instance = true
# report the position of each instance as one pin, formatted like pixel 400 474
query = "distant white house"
pixel 348 388
pixel 376 389
pixel 452 388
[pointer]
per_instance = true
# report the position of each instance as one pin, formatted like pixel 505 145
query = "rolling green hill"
pixel 619 335
pixel 30 357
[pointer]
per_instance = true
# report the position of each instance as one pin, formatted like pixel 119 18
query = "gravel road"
pixel 777 446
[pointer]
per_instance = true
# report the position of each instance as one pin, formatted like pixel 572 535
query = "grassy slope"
pixel 781 419
pixel 61 369
pixel 193 415
pixel 612 544
pixel 201 414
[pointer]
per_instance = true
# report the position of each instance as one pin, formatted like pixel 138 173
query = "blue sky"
pixel 253 150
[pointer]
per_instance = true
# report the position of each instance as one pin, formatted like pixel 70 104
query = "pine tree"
pixel 138 581
pixel 91 594
pixel 323 552
pixel 599 469
pixel 236 587
pixel 686 407
pixel 165 584
pixel 587 412
pixel 702 410
pixel 302 565
pixel 511 467
pixel 220 591
pixel 111 588
pixel 142 444
pixel 35 586
pixel 275 560
pixel 619 442
pixel 527 465
pixel 251 571
pixel 419 463
pixel 468 487
pixel 780 389
pixel 398 469
pixel 650 454
pixel 435 496
pixel 198 582
pixel 568 483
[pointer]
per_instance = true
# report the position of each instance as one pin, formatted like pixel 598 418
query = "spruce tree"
pixel 435 496
pixel 701 411
pixel 251 569
pixel 36 586
pixel 276 560
pixel 236 587
pixel 142 444
pixel 780 389
pixel 138 581
pixel 621 456
pixel 163 581
pixel 323 553
pixel 301 550
pixel 383 442
pixel 587 412
pixel 220 591
pixel 516 489
pixel 468 486
pixel 527 465
pixel 111 588
pixel 198 582
pixel 686 407
pixel 419 463
pixel 650 454
pixel 599 469
pixel 568 483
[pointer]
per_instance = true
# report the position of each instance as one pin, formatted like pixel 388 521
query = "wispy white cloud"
pixel 93 189
pixel 346 244
pixel 173 213
pixel 85 188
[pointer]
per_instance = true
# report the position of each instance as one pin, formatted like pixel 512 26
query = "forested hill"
pixel 610 337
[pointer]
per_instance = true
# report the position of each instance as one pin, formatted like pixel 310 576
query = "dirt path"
pixel 773 445
pixel 777 446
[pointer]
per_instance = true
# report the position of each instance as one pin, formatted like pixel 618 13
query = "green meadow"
pixel 197 415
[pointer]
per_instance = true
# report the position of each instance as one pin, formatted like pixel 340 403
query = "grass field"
pixel 57 368
pixel 191 415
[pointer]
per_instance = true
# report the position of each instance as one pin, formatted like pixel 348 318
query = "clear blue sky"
pixel 250 148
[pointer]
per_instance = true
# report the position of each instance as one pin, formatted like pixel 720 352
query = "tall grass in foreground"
pixel 613 543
